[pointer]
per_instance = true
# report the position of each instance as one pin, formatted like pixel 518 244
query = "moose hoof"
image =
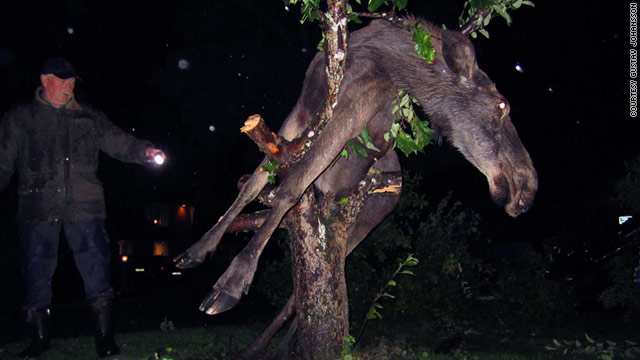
pixel 216 302
pixel 186 261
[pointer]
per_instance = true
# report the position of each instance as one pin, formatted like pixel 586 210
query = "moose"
pixel 460 100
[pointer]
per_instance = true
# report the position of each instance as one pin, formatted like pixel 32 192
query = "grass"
pixel 388 343
pixel 205 343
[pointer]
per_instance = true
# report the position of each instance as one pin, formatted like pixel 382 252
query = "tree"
pixel 327 221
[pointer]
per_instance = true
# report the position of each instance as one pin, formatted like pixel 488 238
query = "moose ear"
pixel 459 53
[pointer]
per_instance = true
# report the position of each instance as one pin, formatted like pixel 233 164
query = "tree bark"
pixel 319 282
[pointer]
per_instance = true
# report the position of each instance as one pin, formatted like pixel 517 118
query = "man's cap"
pixel 59 67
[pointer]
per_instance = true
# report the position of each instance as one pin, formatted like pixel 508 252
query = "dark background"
pixel 570 104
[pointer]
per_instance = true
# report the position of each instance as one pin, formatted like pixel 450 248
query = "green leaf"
pixel 392 283
pixel 406 144
pixel 423 47
pixel 344 153
pixel 486 20
pixel 401 4
pixel 358 150
pixel 366 140
pixel 589 339
pixel 271 167
pixel 343 201
pixel 407 272
pixel 375 4
pixel 355 18
pixel 481 4
pixel 421 133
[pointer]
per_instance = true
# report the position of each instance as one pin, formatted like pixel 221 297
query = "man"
pixel 52 144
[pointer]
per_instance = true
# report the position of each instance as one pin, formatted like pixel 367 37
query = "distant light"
pixel 623 219
pixel 139 269
pixel 519 68
pixel 124 258
pixel 183 64
pixel 155 221
pixel 212 128
pixel 176 273
pixel 70 30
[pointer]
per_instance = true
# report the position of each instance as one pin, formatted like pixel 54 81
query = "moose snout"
pixel 522 206
pixel 523 192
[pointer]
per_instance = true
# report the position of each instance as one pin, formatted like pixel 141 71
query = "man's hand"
pixel 156 155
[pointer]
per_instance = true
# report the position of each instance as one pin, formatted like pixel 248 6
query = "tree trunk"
pixel 318 252
pixel 318 259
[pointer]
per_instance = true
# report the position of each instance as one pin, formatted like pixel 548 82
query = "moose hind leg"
pixel 236 280
pixel 378 205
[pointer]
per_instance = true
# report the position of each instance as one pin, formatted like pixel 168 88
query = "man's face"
pixel 57 91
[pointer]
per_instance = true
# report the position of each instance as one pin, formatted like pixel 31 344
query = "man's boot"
pixel 103 328
pixel 40 323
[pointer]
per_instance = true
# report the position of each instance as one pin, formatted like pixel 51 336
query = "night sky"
pixel 186 75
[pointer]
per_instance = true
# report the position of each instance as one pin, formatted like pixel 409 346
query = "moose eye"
pixel 502 105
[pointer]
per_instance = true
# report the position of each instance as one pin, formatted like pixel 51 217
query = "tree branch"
pixel 248 222
pixel 475 21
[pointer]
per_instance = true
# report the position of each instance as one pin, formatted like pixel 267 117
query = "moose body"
pixel 463 105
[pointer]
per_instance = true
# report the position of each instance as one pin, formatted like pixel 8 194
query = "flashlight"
pixel 157 159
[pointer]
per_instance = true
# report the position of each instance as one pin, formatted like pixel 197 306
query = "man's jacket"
pixel 55 155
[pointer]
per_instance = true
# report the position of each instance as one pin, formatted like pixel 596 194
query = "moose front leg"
pixel 237 278
pixel 196 254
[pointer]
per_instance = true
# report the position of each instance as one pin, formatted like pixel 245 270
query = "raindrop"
pixel 550 88
pixel 133 129
pixel 183 64
pixel 239 74
pixel 212 128
pixel 519 68
pixel 70 30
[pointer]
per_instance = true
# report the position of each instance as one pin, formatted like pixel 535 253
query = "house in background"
pixel 145 257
